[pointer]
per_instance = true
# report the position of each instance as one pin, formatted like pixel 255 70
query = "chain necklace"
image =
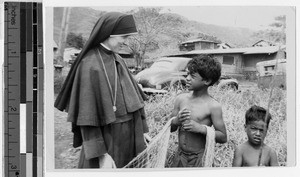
pixel 259 156
pixel 113 97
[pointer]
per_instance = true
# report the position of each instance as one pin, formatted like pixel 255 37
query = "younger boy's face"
pixel 256 132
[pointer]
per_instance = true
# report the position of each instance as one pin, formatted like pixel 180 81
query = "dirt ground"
pixel 66 157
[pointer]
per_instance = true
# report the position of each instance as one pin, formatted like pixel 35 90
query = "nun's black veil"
pixel 101 31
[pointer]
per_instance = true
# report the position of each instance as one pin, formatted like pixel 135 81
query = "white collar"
pixel 103 45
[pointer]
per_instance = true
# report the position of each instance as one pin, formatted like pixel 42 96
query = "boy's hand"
pixel 193 126
pixel 184 115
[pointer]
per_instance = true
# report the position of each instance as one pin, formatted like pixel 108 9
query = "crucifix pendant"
pixel 114 108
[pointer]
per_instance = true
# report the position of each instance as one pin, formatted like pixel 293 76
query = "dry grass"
pixel 234 105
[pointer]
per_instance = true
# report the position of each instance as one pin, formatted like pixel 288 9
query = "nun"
pixel 104 103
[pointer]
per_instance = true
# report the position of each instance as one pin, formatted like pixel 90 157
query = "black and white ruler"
pixel 23 89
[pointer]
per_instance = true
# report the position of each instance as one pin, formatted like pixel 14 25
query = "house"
pixel 263 43
pixel 224 46
pixel 241 61
pixel 198 44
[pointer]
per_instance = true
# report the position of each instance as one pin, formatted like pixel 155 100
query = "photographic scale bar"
pixel 23 93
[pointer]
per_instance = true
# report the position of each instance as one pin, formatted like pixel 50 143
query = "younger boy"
pixel 195 110
pixel 254 152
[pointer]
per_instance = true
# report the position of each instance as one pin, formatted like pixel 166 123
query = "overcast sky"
pixel 254 17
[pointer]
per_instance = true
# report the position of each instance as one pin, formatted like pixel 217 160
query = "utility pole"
pixel 63 34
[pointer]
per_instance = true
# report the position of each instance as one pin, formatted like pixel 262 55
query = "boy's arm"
pixel 218 123
pixel 175 122
pixel 237 158
pixel 273 158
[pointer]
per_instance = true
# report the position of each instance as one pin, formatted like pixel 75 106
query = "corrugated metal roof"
pixel 217 51
pixel 262 40
pixel 198 40
pixel 258 50
pixel 248 50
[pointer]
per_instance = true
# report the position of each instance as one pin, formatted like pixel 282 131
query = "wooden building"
pixel 224 46
pixel 240 61
pixel 198 44
pixel 263 43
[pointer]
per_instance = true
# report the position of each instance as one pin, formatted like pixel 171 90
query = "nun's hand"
pixel 106 161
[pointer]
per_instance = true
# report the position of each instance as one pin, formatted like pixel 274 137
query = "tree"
pixel 152 26
pixel 280 24
pixel 208 37
pixel 75 40
pixel 63 32
pixel 276 33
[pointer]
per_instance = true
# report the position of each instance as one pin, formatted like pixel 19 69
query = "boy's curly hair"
pixel 257 113
pixel 207 67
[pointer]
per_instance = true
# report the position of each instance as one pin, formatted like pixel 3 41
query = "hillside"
pixel 82 20
pixel 239 37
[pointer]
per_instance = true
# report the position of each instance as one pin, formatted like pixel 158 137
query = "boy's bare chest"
pixel 252 158
pixel 200 110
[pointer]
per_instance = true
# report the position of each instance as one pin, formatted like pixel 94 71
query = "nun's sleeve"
pixel 93 142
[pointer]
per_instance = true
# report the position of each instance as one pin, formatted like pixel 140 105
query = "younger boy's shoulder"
pixel 240 149
pixel 244 146
pixel 268 149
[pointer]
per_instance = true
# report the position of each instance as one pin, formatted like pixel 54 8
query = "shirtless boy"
pixel 254 152
pixel 195 110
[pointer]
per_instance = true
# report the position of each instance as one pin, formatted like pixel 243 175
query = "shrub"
pixel 250 75
pixel 266 81
pixel 59 78
pixel 58 81
pixel 75 40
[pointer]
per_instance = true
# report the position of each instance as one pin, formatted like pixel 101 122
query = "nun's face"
pixel 115 43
